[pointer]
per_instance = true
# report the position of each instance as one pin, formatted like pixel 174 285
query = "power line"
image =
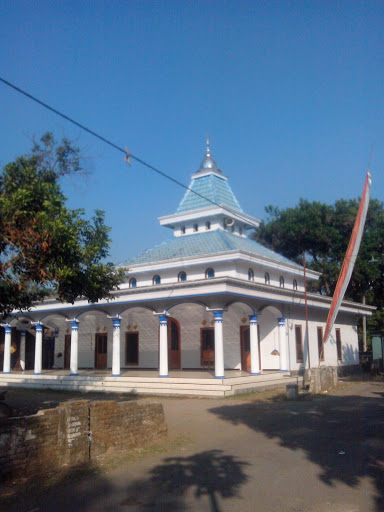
pixel 112 144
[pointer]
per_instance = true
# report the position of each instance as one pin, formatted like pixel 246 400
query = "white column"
pixel 219 345
pixel 38 348
pixel 23 335
pixel 116 347
pixel 163 348
pixel 284 364
pixel 7 349
pixel 254 345
pixel 74 361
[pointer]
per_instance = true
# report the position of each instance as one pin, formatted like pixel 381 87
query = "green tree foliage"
pixel 323 231
pixel 45 247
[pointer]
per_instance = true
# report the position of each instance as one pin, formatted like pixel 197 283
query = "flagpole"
pixel 306 315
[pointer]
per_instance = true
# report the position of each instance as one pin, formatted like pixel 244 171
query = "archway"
pixel 174 348
pixel 269 338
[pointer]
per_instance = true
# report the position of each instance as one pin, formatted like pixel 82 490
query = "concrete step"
pixel 150 385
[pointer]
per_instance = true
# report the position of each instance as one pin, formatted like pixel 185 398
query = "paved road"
pixel 325 454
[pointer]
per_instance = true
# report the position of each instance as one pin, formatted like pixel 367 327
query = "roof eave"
pixel 210 211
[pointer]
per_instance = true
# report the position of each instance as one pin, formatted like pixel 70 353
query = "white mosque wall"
pixel 317 318
pixel 201 227
pixel 194 273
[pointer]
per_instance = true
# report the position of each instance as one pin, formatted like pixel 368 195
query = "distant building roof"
pixel 206 243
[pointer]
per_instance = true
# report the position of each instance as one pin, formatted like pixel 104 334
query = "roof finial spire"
pixel 208 161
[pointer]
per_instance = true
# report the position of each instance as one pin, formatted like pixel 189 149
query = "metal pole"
pixel 364 330
pixel 306 314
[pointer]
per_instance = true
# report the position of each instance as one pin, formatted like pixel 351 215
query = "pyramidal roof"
pixel 208 185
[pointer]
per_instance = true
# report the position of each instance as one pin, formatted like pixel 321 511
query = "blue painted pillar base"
pixel 6 372
pixel 38 373
pixel 116 374
pixel 74 374
pixel 163 376
pixel 284 371
pixel 218 377
pixel 257 373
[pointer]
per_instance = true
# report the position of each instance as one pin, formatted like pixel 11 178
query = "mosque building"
pixel 208 298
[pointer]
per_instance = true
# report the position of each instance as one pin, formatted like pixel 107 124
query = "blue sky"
pixel 290 93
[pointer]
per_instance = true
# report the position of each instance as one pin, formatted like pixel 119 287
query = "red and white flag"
pixel 350 257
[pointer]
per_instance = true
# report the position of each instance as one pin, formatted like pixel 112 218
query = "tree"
pixel 45 247
pixel 323 231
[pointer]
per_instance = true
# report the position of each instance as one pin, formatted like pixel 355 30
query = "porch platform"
pixel 179 383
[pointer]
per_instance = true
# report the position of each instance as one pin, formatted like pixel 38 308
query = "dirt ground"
pixel 255 452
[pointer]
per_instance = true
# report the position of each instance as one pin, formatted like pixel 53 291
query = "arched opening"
pixel 174 349
pixel 209 273
pixel 182 277
pixel 269 338
pixel 236 327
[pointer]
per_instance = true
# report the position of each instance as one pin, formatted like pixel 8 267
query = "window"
pixel 338 345
pixel 294 284
pixel 299 344
pixel 233 228
pixel 251 275
pixel 195 227
pixel 207 225
pixel 281 282
pixel 320 343
pixel 266 278
pixel 132 283
pixel 240 231
pixel 182 230
pixel 182 276
pixel 209 273
pixel 132 348
pixel 156 280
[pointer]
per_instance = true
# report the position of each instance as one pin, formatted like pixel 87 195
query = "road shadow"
pixel 79 488
pixel 344 436
pixel 212 474
pixel 206 478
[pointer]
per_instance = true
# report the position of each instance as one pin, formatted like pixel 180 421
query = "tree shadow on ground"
pixel 344 436
pixel 211 474
pixel 205 478
pixel 79 488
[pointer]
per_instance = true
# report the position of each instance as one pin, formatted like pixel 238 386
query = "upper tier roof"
pixel 205 244
pixel 212 187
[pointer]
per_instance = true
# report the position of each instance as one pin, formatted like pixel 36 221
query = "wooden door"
pixel 174 349
pixel 207 342
pixel 67 351
pixel 245 348
pixel 101 351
